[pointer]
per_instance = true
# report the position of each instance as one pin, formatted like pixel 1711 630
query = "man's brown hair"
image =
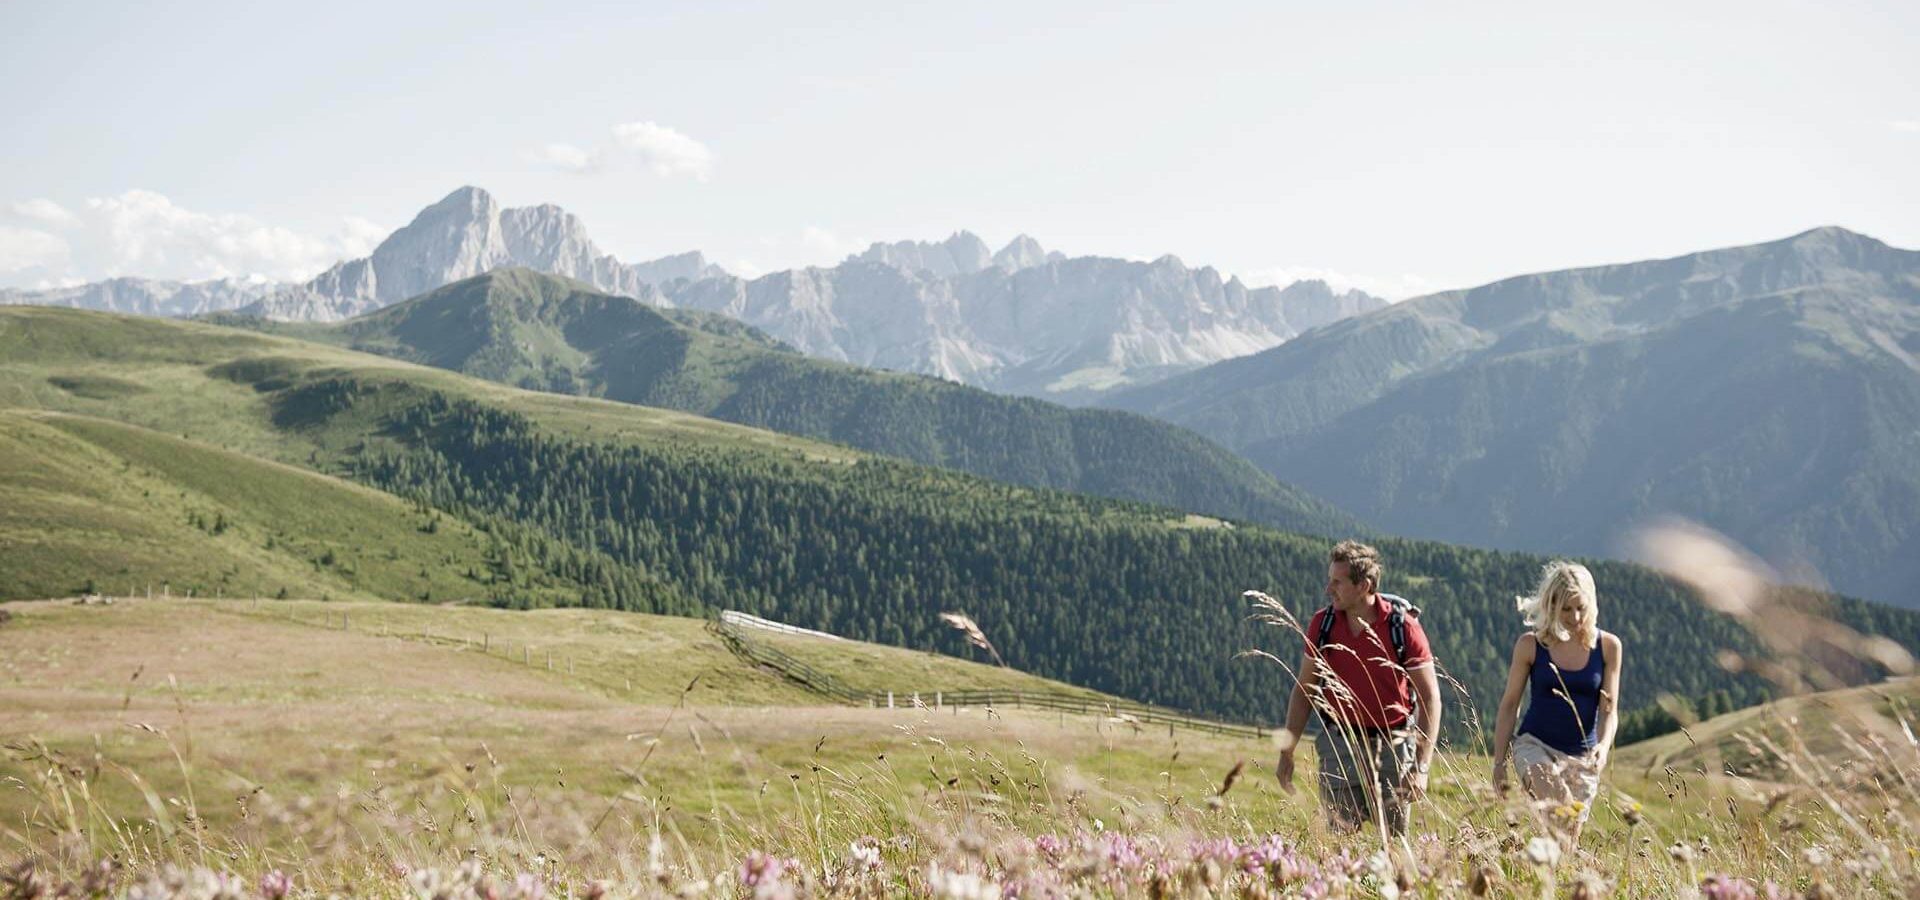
pixel 1362 561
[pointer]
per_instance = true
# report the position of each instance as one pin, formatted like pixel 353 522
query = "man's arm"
pixel 1426 686
pixel 1299 705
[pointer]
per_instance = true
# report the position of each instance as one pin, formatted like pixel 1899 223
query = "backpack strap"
pixel 1325 633
pixel 1397 631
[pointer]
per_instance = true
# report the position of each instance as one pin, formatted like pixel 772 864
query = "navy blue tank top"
pixel 1569 727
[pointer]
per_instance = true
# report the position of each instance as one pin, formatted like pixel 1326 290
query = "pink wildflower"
pixel 275 885
pixel 1727 887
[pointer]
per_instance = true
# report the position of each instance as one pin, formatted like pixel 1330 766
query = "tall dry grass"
pixel 1812 808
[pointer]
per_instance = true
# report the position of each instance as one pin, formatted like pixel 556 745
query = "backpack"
pixel 1401 610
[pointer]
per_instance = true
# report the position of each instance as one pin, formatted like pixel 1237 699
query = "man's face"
pixel 1344 593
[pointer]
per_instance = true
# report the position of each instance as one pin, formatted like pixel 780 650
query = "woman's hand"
pixel 1500 778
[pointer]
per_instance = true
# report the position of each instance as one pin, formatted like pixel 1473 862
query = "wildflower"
pixel 1120 853
pixel 275 885
pixel 864 854
pixel 1816 856
pixel 1590 886
pixel 1631 812
pixel 1543 851
pixel 1381 868
pixel 1050 847
pixel 960 885
pixel 529 887
pixel 1726 887
pixel 426 883
pixel 1680 852
pixel 765 875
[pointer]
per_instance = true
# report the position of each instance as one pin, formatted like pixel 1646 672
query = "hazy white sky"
pixel 1405 147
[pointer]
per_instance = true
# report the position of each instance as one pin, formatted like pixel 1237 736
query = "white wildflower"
pixel 960 885
pixel 1543 851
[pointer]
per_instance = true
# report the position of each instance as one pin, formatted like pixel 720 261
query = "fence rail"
pixel 1138 715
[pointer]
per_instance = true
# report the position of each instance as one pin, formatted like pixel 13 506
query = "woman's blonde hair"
pixel 1563 585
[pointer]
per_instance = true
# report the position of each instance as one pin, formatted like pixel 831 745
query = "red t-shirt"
pixel 1379 694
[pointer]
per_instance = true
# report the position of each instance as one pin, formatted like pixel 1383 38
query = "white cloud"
pixel 1907 126
pixel 359 236
pixel 1388 287
pixel 568 158
pixel 144 233
pixel 22 249
pixel 45 212
pixel 666 151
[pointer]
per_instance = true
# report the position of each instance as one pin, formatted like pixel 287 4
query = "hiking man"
pixel 1369 672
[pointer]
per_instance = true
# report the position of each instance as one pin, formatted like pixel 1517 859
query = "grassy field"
pixel 127 510
pixel 360 745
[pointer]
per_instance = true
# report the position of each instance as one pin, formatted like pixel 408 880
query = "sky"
pixel 1399 148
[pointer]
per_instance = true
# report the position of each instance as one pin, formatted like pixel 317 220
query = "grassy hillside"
pixel 1758 741
pixel 544 332
pixel 90 504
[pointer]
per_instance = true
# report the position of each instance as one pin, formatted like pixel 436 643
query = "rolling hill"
pixel 1770 391
pixel 543 332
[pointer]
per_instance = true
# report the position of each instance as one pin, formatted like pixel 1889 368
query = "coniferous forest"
pixel 1116 596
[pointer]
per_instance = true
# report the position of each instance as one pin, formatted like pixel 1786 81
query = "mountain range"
pixel 1022 320
pixel 532 330
pixel 466 233
pixel 1771 391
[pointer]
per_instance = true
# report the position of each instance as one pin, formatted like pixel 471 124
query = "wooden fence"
pixel 1138 715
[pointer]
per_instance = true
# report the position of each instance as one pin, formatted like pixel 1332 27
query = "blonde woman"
pixel 1571 671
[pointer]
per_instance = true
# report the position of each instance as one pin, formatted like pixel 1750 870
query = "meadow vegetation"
pixel 227 749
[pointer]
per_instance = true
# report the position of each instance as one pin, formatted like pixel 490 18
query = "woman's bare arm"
pixel 1517 670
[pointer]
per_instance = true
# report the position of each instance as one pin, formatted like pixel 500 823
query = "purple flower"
pixel 1050 847
pixel 760 868
pixel 275 885
pixel 1279 862
pixel 1224 850
pixel 1120 852
pixel 1727 887
pixel 529 887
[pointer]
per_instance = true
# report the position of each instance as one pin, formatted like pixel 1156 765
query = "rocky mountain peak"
pixel 963 253
pixel 1023 252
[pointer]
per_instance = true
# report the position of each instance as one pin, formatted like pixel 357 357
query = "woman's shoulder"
pixel 1526 643
pixel 1610 640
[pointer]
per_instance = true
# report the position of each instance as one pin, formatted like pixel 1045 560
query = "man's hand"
pixel 1284 771
pixel 1415 787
